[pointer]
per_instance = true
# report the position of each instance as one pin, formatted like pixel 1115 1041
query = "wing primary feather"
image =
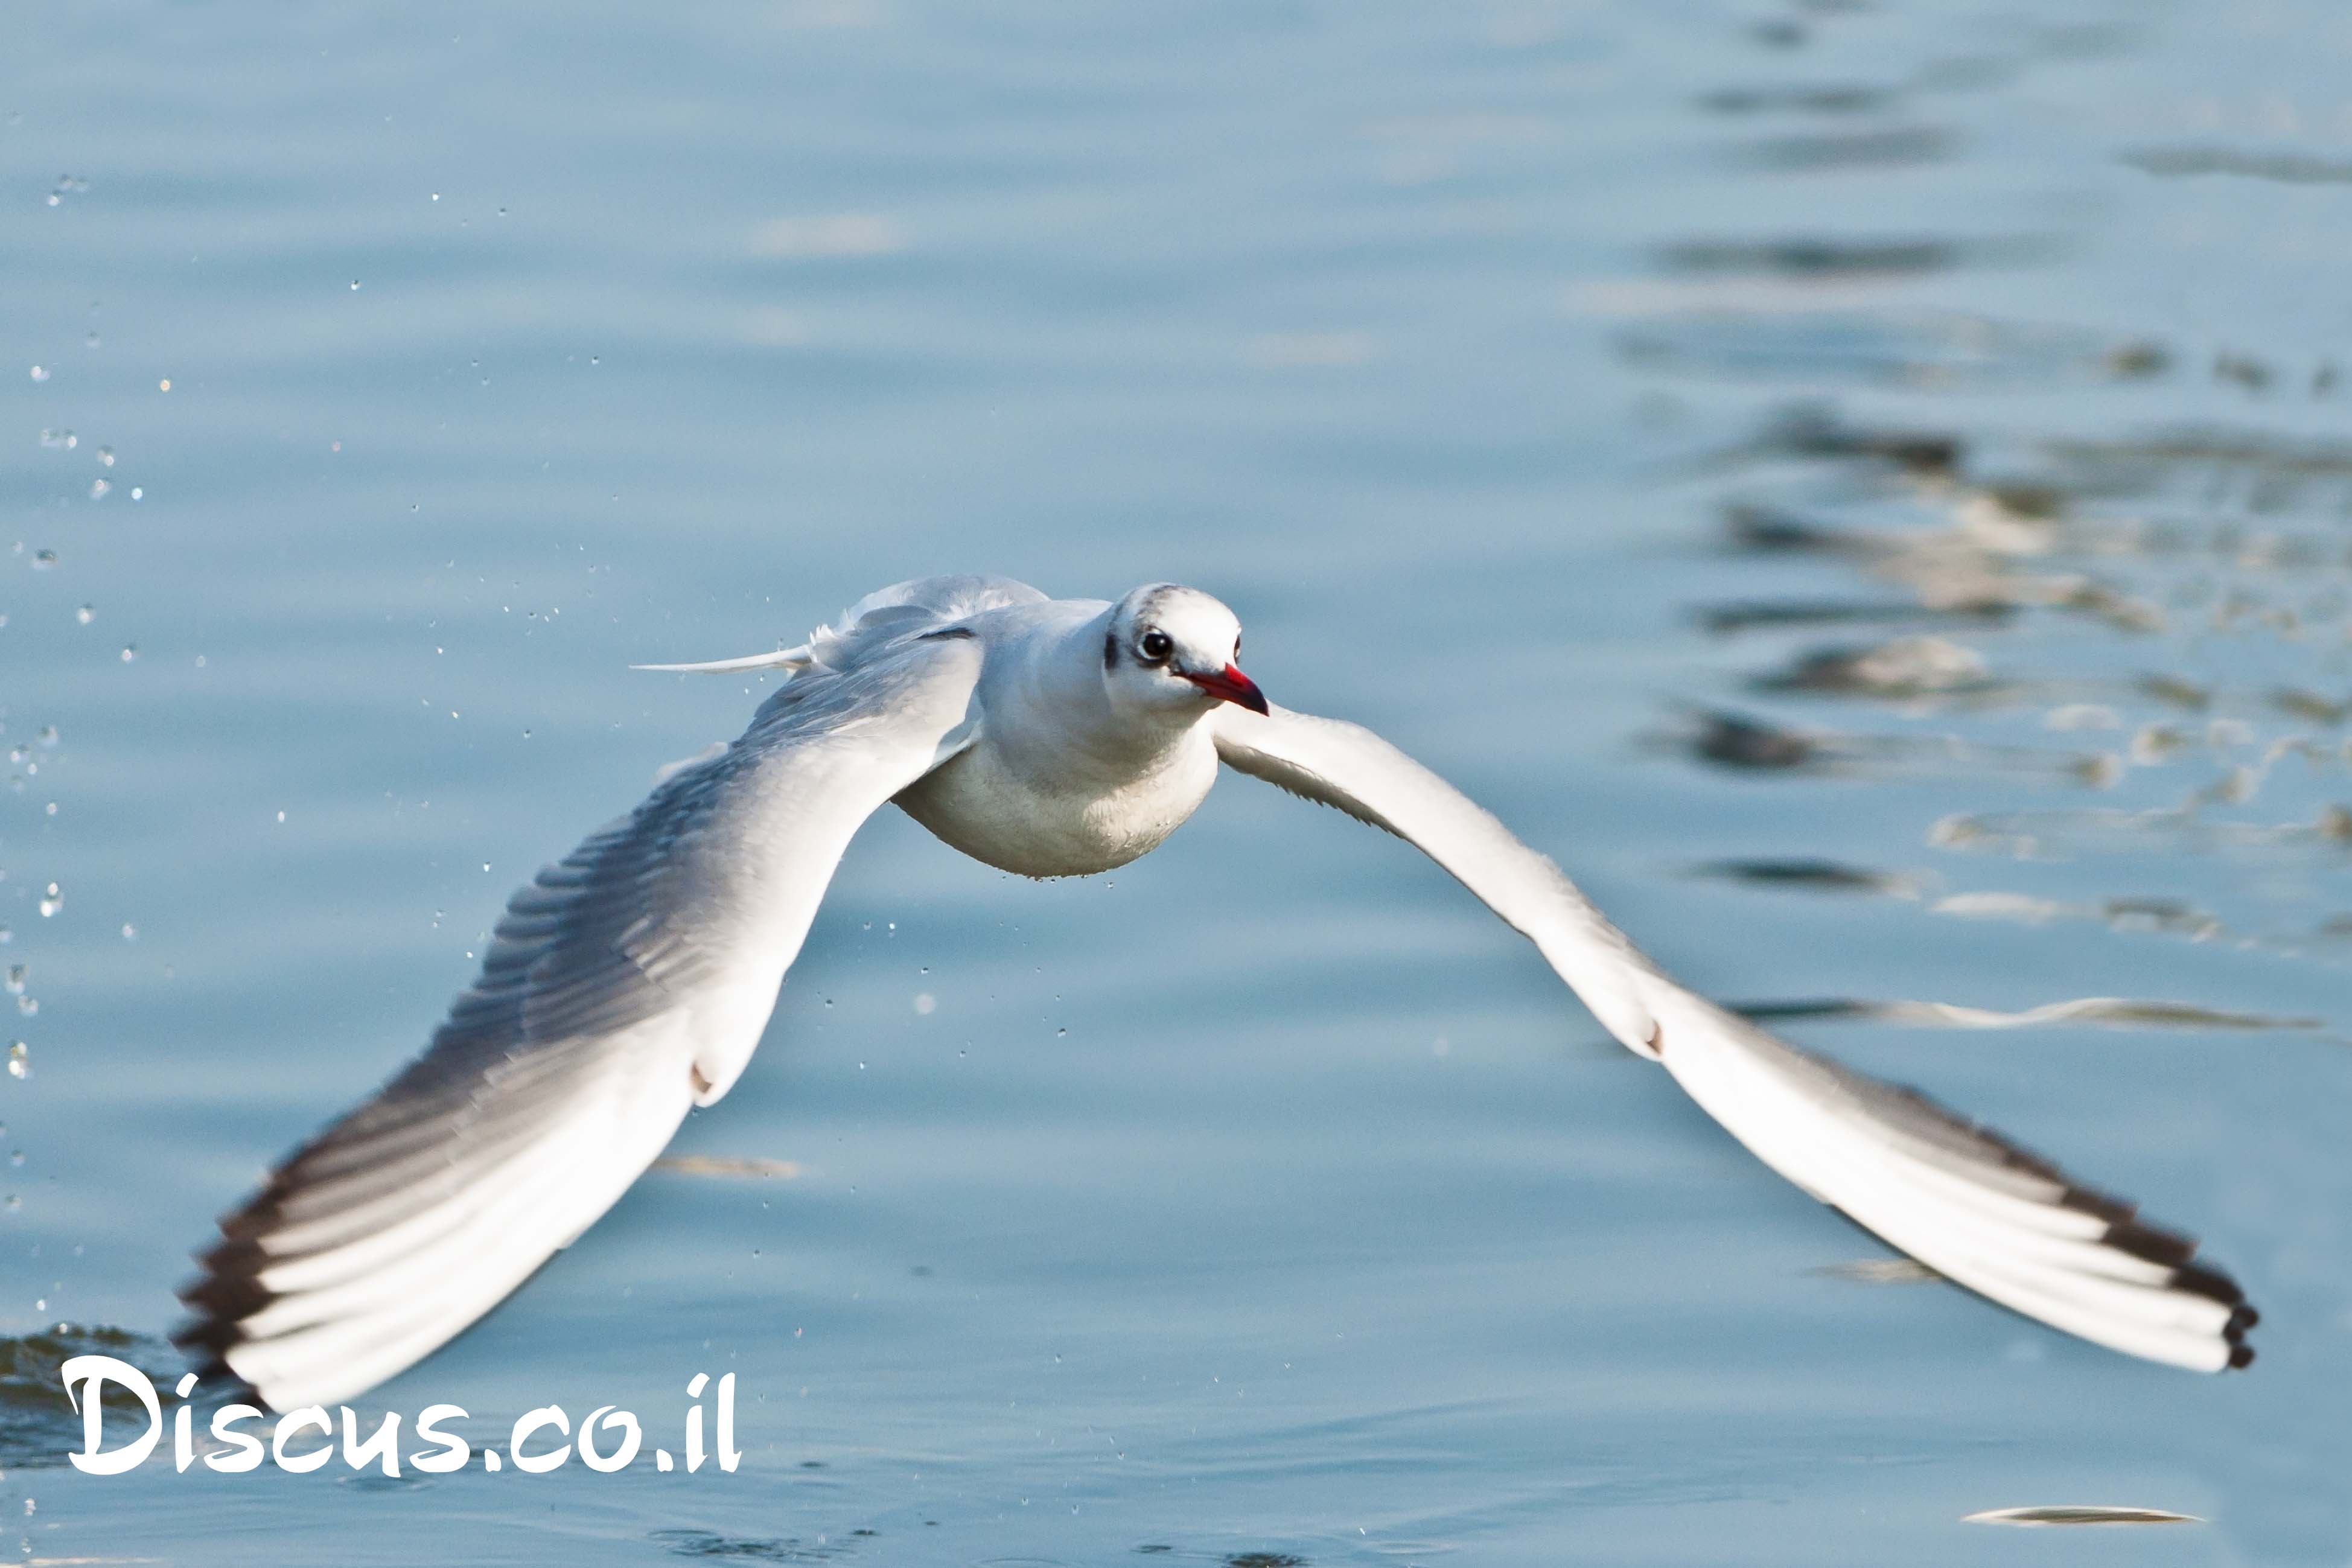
pixel 1974 1206
pixel 628 981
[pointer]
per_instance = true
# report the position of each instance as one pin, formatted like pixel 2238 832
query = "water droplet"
pixel 6 936
pixel 28 1006
pixel 164 384
pixel 282 817
pixel 137 493
pixel 19 1059
pixel 1059 1033
pixel 44 559
pixel 97 489
pixel 130 652
pixel 130 931
pixel 926 1004
pixel 40 373
pixel 51 809
pixel 58 441
pixel 48 737
pixel 355 285
pixel 106 456
pixel 87 614
pixel 52 901
pixel 16 981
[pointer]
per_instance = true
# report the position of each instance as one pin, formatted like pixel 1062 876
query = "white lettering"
pixel 531 1421
pixel 454 1452
pixel 294 1421
pixel 629 1445
pixel 384 1445
pixel 250 1450
pixel 93 1373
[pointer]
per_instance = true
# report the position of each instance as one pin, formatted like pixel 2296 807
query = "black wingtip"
pixel 2198 1279
pixel 2241 1318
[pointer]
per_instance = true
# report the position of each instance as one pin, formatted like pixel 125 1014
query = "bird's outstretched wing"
pixel 627 982
pixel 1963 1200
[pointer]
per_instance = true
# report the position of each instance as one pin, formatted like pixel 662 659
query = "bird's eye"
pixel 1155 645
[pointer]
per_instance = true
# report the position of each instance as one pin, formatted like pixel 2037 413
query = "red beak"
pixel 1230 685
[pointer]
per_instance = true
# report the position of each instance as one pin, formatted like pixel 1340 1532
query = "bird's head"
pixel 1170 651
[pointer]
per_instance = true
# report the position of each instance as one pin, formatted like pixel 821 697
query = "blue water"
pixel 1266 1197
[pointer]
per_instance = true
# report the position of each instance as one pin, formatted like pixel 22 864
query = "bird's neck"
pixel 1067 715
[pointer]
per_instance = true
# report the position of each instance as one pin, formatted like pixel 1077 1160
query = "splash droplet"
pixel 130 652
pixel 85 615
pixel 20 1064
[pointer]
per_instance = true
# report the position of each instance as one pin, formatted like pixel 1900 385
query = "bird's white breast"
pixel 1081 817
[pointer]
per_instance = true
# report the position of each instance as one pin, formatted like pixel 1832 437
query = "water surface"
pixel 1864 485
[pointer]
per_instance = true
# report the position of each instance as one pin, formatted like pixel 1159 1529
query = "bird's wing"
pixel 1963 1200
pixel 627 982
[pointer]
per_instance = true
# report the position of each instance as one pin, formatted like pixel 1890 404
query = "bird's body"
pixel 632 980
pixel 1050 784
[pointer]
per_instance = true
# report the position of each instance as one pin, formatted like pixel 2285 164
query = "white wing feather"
pixel 1963 1200
pixel 628 983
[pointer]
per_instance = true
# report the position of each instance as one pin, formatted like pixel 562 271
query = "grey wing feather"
pixel 1964 1200
pixel 627 983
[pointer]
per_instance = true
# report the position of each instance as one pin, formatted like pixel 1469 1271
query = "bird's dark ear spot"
pixel 1110 650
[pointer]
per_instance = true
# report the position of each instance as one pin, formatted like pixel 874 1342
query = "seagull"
pixel 630 982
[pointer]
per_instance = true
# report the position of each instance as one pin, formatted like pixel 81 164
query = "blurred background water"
pixel 1865 482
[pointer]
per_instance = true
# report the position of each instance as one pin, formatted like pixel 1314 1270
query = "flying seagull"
pixel 631 980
